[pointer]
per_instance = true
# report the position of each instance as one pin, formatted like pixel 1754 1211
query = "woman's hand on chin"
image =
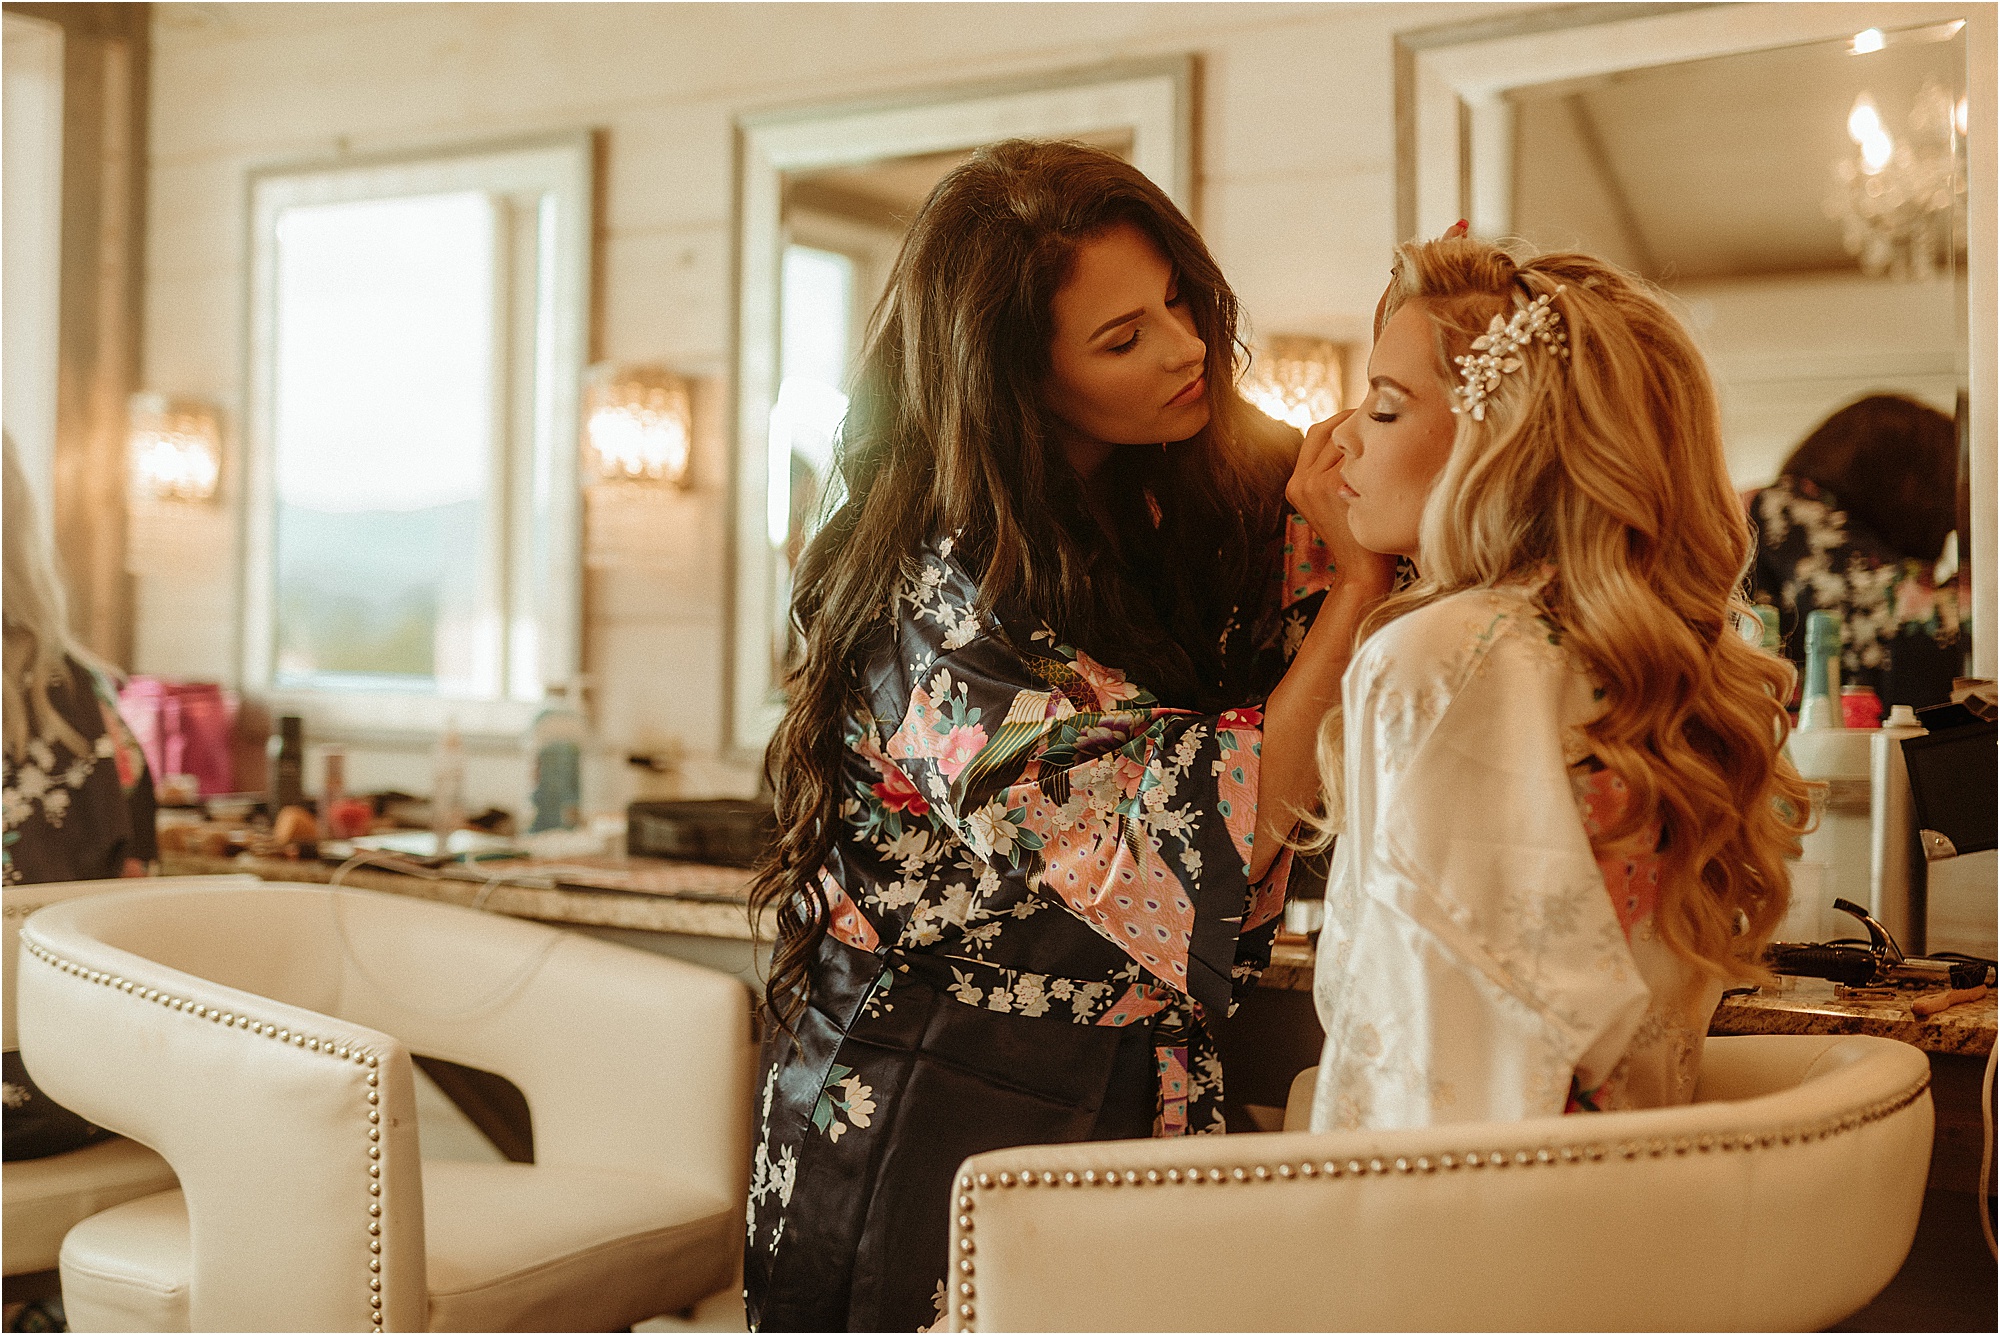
pixel 1314 491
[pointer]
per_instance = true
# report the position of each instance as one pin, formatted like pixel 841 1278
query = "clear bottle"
pixel 556 743
pixel 447 787
pixel 1771 642
pixel 1819 705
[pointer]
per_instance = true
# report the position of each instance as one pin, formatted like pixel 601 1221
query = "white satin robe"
pixel 1483 957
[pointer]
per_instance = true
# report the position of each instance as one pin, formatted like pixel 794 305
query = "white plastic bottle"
pixel 447 787
pixel 1896 868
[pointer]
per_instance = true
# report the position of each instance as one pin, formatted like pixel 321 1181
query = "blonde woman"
pixel 1556 770
pixel 78 802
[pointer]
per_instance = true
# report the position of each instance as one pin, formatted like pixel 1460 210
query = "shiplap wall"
pixel 1295 152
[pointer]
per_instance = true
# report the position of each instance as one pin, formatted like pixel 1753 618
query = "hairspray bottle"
pixel 1896 868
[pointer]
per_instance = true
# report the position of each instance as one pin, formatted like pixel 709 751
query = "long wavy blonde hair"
pixel 1608 466
pixel 38 639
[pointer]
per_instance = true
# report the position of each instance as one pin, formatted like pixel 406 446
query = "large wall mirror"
pixel 824 197
pixel 1796 175
pixel 419 330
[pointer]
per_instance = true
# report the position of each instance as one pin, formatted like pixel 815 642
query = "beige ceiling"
pixel 1713 168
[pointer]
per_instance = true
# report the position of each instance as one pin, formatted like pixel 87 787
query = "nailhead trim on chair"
pixel 233 1020
pixel 1547 1156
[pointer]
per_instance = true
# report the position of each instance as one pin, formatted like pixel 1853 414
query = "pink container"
pixel 184 728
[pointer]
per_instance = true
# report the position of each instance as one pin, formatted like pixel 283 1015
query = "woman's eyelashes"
pixel 1132 341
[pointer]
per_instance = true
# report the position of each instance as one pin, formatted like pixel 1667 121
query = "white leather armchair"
pixel 44 1198
pixel 1785 1198
pixel 259 1037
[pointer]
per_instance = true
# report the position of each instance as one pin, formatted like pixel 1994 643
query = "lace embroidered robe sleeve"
pixel 1472 964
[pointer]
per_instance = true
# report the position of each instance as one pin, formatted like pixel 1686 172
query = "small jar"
pixel 1860 707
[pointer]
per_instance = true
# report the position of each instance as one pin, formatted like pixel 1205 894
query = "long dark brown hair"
pixel 1890 462
pixel 947 433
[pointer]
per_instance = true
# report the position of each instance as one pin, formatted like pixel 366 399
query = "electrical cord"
pixel 1986 1152
pixel 505 990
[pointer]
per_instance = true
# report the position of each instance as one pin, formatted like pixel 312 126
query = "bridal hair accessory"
pixel 1497 351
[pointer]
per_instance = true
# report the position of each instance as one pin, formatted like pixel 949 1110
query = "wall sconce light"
pixel 175 447
pixel 1295 378
pixel 639 421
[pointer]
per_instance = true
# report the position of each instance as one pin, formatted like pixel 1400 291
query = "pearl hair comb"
pixel 1497 351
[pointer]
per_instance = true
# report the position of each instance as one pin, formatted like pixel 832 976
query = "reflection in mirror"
pixel 825 195
pixel 1806 203
pixel 842 228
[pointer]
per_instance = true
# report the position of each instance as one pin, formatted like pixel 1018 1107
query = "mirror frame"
pixel 542 546
pixel 1451 117
pixel 1153 97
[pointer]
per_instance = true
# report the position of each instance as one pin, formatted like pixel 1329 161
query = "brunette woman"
pixel 1031 821
pixel 1856 525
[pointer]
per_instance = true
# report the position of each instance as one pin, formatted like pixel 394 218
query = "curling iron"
pixel 1880 963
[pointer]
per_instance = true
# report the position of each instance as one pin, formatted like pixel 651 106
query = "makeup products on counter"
pixel 286 752
pixel 447 786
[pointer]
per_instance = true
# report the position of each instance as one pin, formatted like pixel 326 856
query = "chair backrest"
pixel 18 901
pixel 293 1133
pixel 546 1008
pixel 1716 1216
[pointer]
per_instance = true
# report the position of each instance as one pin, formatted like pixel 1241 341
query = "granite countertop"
pixel 1812 1006
pixel 1795 1006
pixel 643 894
pixel 695 899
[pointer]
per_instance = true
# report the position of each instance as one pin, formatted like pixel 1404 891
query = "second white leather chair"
pixel 259 1039
pixel 45 1198
pixel 1784 1198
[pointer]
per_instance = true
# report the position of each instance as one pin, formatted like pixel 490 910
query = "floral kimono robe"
pixel 1899 626
pixel 1040 905
pixel 70 817
pixel 1488 955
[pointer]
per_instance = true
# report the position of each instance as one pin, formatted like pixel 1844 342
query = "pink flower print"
pixel 960 746
pixel 1914 602
pixel 1107 683
pixel 1108 735
pixel 897 793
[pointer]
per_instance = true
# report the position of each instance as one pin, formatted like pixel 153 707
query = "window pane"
pixel 384 433
pixel 817 309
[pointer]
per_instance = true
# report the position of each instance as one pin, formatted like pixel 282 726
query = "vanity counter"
pixel 695 899
pixel 630 893
pixel 1795 1006
pixel 1811 1006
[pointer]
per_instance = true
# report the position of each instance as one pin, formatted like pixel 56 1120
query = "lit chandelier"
pixel 1898 201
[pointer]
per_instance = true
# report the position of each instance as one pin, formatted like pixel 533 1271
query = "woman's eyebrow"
pixel 1113 324
pixel 1384 382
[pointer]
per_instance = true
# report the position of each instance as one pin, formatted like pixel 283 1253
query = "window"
pixel 419 339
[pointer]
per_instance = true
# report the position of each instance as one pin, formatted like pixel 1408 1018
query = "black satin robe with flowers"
pixel 1040 906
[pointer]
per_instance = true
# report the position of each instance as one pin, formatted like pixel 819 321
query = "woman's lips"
pixel 1190 393
pixel 1348 493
